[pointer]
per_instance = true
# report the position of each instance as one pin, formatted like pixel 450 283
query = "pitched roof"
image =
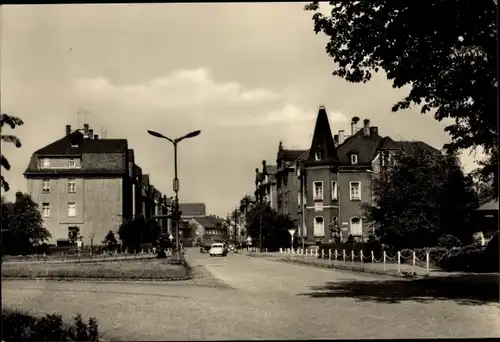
pixel 322 140
pixel 145 179
pixel 271 169
pixel 364 146
pixel 208 221
pixel 291 155
pixel 64 145
pixel 192 209
pixel 417 147
pixel 491 205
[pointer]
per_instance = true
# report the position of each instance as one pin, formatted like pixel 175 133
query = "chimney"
pixel 86 130
pixel 68 129
pixel 96 136
pixel 366 127
pixel 91 133
pixel 336 138
pixel 341 136
pixel 374 130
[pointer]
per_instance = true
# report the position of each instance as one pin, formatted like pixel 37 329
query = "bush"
pixel 472 258
pixel 449 241
pixel 19 326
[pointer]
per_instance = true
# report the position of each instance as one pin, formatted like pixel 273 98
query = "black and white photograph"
pixel 249 171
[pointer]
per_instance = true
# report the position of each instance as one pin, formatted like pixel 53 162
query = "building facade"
pixel 266 189
pixel 323 189
pixel 86 182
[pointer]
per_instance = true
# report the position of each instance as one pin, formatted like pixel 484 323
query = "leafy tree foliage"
pixel 138 230
pixel 22 226
pixel 274 226
pixel 13 122
pixel 444 51
pixel 419 199
pixel 110 240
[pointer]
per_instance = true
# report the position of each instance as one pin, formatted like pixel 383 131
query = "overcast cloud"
pixel 247 75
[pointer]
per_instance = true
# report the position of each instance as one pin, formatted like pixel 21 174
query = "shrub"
pixel 19 326
pixel 449 241
pixel 471 258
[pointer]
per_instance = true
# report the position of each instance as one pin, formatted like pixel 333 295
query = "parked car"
pixel 218 249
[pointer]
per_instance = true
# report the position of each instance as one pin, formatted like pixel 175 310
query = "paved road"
pixel 239 297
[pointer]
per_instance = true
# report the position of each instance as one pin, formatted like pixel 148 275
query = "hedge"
pixel 20 326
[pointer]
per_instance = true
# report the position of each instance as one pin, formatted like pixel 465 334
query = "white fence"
pixel 337 257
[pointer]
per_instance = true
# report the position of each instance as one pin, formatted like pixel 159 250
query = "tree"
pixel 261 218
pixel 443 51
pixel 22 225
pixel 419 199
pixel 13 122
pixel 110 240
pixel 131 232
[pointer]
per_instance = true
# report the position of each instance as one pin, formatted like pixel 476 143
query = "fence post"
pixel 414 261
pixel 399 262
pixel 352 258
pixel 385 258
pixel 336 256
pixel 116 254
pixel 427 262
pixel 361 257
pixel 343 254
pixel 44 259
pixel 79 255
pixel 329 257
pixel 373 257
pixel 316 253
pixel 322 254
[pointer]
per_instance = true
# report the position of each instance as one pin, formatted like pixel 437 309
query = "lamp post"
pixel 176 179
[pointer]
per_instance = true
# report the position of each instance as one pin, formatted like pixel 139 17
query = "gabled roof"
pixel 489 206
pixel 145 179
pixel 208 221
pixel 271 169
pixel 64 145
pixel 417 147
pixel 322 140
pixel 192 209
pixel 291 155
pixel 365 147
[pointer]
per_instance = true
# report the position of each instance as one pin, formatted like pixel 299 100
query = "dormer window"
pixel 317 156
pixel 72 163
pixel 354 159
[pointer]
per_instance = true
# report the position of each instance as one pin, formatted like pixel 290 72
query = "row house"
pixel 265 185
pixel 323 188
pixel 87 183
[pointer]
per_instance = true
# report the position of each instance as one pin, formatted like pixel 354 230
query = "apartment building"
pixel 322 189
pixel 90 183
pixel 266 189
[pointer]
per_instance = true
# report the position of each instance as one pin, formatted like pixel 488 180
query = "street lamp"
pixel 176 179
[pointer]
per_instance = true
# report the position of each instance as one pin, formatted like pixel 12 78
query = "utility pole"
pixel 260 230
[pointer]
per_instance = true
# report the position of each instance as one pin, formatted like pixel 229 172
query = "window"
pixel 46 185
pixel 334 190
pixel 45 209
pixel 72 163
pixel 71 185
pixel 317 156
pixel 356 228
pixel 45 162
pixel 318 190
pixel 354 159
pixel 71 209
pixel 355 192
pixel 319 226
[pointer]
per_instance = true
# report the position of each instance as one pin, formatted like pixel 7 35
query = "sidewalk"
pixel 369 267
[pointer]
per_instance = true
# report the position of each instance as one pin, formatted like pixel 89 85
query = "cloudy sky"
pixel 247 75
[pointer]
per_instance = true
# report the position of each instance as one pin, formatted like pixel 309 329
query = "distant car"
pixel 218 249
pixel 232 248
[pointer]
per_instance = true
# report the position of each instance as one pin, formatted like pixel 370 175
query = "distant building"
pixel 191 210
pixel 208 226
pixel 265 185
pixel 90 183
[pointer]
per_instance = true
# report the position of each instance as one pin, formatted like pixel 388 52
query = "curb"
pixel 343 268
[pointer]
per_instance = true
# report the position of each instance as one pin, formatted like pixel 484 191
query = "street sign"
pixel 171 237
pixel 292 232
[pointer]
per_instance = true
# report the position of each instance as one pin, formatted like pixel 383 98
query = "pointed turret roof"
pixel 322 140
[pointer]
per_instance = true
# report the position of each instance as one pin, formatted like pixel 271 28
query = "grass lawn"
pixel 158 269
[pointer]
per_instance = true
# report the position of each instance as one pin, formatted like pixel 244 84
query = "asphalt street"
pixel 239 297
